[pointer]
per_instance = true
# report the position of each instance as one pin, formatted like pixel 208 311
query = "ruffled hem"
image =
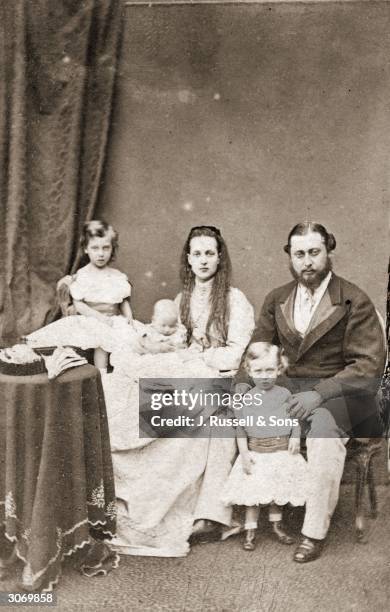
pixel 47 577
pixel 278 478
pixel 264 499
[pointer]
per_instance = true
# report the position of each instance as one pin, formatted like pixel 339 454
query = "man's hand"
pixel 294 446
pixel 302 405
pixel 247 462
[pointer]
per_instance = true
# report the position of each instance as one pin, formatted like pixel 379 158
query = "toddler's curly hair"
pixel 258 350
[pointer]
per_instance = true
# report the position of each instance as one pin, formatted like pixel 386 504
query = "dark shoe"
pixel 202 526
pixel 250 539
pixel 204 532
pixel 281 534
pixel 308 550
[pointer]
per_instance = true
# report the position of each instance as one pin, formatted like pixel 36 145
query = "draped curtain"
pixel 57 71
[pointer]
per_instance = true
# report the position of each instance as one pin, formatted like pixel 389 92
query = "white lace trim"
pixel 32 578
pixel 97 496
pixel 98 500
pixel 10 506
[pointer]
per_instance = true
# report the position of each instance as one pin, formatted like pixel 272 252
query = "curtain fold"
pixel 57 74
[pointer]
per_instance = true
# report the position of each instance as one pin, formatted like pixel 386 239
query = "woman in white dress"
pixel 164 485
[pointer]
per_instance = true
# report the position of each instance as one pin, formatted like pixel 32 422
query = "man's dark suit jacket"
pixel 342 354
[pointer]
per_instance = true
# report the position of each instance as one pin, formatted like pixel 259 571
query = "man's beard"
pixel 315 280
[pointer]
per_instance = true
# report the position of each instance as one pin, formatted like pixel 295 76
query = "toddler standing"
pixel 269 469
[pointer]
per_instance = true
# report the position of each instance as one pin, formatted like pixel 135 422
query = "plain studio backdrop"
pixel 250 117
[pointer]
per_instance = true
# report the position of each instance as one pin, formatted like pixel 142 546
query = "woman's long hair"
pixel 219 297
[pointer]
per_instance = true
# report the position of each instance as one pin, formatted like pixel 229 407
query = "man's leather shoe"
pixel 281 534
pixel 308 550
pixel 250 539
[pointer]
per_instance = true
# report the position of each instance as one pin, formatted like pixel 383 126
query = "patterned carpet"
pixel 221 577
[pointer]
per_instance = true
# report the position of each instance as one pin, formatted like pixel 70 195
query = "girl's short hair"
pixel 99 229
pixel 301 229
pixel 258 350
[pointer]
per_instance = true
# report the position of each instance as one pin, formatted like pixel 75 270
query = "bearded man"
pixel 333 339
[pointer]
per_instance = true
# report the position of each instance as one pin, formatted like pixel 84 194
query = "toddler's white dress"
pixel 277 477
pixel 104 291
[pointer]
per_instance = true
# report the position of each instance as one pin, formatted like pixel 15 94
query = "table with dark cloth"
pixel 57 493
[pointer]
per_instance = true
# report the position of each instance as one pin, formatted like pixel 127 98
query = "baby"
pixel 165 333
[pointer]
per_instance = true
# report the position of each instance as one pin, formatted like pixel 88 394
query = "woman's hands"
pixel 167 347
pixel 189 354
pixel 154 347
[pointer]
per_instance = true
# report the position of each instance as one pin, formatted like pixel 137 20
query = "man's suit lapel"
pixel 328 313
pixel 284 315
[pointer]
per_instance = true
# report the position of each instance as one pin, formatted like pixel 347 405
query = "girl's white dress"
pixel 277 477
pixel 106 289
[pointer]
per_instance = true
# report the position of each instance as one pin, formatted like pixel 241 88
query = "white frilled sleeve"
pixel 241 326
pixel 77 289
pixel 111 288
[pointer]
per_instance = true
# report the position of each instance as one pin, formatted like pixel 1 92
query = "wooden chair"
pixel 65 302
pixel 64 298
pixel 362 452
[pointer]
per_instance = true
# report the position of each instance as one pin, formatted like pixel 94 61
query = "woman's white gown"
pixel 163 485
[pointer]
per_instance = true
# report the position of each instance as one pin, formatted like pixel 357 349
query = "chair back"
pixel 64 298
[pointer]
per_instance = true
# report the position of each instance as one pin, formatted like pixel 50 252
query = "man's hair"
pixel 307 227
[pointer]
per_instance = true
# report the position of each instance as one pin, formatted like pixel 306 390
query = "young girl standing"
pixel 269 469
pixel 100 295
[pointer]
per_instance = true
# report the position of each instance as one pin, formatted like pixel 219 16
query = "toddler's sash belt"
pixel 268 445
